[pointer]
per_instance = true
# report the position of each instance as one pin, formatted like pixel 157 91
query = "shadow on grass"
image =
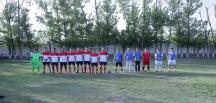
pixel 113 76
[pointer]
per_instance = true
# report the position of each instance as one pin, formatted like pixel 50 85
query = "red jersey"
pixel 94 54
pixel 79 56
pixel 63 56
pixel 46 53
pixel 146 57
pixel 46 56
pixel 54 56
pixel 103 53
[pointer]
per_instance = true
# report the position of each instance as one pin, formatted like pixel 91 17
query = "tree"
pixel 190 7
pixel 108 22
pixel 158 21
pixel 145 30
pixel 8 17
pixel 131 12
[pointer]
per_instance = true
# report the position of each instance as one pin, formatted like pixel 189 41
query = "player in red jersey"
pixel 94 61
pixel 63 60
pixel 87 60
pixel 146 59
pixel 79 60
pixel 46 60
pixel 54 60
pixel 71 60
pixel 103 57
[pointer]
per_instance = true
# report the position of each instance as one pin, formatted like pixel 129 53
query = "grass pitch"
pixel 194 82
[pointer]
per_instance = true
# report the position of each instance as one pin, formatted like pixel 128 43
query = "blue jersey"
pixel 129 56
pixel 159 56
pixel 118 57
pixel 172 55
pixel 138 56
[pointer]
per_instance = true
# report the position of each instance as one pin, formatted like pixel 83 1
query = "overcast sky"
pixel 121 24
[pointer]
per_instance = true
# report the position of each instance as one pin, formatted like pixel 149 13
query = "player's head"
pixel 117 49
pixel 62 49
pixel 46 48
pixel 71 49
pixel 128 49
pixel 36 50
pixel 137 49
pixel 102 49
pixel 93 51
pixel 146 49
pixel 86 48
pixel 78 49
pixel 158 50
pixel 171 49
pixel 54 49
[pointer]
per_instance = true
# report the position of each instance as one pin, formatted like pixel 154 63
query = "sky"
pixel 121 24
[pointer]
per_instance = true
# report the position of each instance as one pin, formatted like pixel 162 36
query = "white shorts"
pixel 172 62
pixel 158 63
pixel 129 63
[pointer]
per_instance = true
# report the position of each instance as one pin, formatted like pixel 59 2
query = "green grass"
pixel 194 82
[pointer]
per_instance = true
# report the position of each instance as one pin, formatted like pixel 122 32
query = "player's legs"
pixel 65 66
pixel 138 64
pixel 116 67
pixel 69 67
pixel 143 67
pixel 77 67
pixel 33 67
pixel 148 67
pixel 81 66
pixel 61 66
pixel 92 68
pixel 160 66
pixel 53 68
pixel 89 67
pixel 44 67
pixel 57 70
pixel 156 66
pixel 74 66
pixel 101 65
pixel 105 67
pixel 121 66
pixel 169 65
pixel 85 66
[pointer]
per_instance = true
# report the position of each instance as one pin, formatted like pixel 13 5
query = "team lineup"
pixel 92 62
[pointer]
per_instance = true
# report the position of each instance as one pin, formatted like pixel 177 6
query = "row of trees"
pixel 15 28
pixel 148 23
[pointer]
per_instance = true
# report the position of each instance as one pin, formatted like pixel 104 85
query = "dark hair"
pixel 171 48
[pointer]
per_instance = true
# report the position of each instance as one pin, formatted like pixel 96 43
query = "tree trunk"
pixel 194 51
pixel 181 51
pixel 198 49
pixel 204 49
pixel 187 54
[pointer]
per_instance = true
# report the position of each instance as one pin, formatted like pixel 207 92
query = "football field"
pixel 194 82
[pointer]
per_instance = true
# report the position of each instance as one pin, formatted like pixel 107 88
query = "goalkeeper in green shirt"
pixel 36 60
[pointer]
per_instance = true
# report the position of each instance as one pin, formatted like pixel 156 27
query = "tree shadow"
pixel 114 76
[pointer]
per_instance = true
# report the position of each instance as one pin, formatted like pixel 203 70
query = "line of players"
pixel 88 60
pixel 76 60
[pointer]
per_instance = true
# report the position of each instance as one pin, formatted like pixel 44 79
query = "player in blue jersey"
pixel 118 58
pixel 129 60
pixel 158 60
pixel 171 59
pixel 137 57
